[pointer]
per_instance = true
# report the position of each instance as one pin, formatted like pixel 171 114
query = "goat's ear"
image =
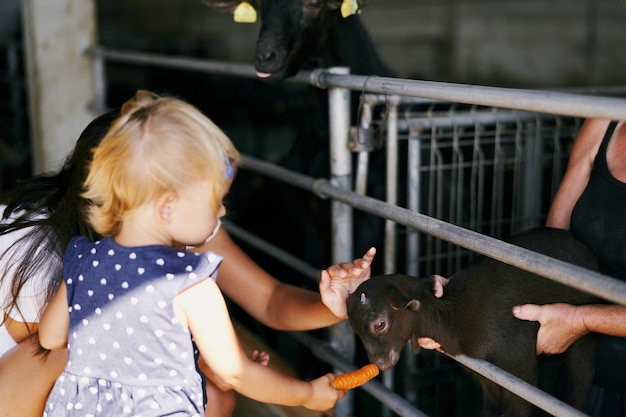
pixel 223 6
pixel 228 6
pixel 242 11
pixel 413 305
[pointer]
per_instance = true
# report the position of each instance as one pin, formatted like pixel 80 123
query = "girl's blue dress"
pixel 128 355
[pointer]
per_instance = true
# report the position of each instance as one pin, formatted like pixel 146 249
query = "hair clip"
pixel 228 167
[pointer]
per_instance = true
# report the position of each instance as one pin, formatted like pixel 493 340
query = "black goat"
pixel 297 35
pixel 474 317
pixel 300 35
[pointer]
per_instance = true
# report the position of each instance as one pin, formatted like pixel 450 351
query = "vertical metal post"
pixel 362 145
pixel 413 201
pixel 392 198
pixel 533 184
pixel 341 334
pixel 392 181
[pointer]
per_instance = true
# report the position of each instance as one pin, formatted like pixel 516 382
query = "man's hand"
pixel 560 325
pixel 438 284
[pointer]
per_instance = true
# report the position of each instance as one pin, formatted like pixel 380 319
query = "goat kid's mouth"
pixel 388 361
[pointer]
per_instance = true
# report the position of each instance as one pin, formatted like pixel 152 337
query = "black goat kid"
pixel 474 317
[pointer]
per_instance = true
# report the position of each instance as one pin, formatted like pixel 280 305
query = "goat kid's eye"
pixel 316 3
pixel 380 326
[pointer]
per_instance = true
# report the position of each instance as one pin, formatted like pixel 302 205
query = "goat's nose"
pixel 265 55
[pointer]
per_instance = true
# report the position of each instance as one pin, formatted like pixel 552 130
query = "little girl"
pixel 131 302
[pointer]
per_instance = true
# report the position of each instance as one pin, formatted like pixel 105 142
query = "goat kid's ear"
pixel 413 305
pixel 398 300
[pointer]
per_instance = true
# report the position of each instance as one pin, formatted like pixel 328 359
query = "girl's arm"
pixel 276 304
pixel 203 309
pixel 55 321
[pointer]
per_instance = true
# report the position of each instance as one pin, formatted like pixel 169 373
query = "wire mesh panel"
pixel 489 170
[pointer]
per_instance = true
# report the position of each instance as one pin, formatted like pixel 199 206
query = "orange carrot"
pixel 356 378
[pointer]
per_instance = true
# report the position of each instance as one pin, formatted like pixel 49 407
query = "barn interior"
pixel 558 45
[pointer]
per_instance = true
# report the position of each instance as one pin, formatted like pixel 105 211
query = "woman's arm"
pixel 276 304
pixel 19 330
pixel 577 174
pixel 55 321
pixel 562 324
pixel 26 378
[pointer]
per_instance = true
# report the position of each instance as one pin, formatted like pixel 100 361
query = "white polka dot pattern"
pixel 128 354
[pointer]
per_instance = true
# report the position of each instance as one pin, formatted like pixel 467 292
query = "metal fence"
pixel 480 163
pixel 486 169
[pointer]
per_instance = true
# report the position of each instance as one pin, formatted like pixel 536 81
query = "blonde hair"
pixel 158 144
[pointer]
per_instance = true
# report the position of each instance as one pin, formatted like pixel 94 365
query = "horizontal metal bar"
pixel 273 251
pixel 171 61
pixel 555 102
pixel 272 170
pixel 466 119
pixel 594 283
pixel 324 351
pixel 517 386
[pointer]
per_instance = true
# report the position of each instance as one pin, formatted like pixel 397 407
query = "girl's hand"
pixel 323 395
pixel 339 281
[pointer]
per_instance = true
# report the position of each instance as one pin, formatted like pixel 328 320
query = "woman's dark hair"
pixel 51 205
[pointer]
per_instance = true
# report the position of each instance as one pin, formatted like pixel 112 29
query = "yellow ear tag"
pixel 244 13
pixel 349 7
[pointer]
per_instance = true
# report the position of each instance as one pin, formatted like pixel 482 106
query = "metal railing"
pixel 338 188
